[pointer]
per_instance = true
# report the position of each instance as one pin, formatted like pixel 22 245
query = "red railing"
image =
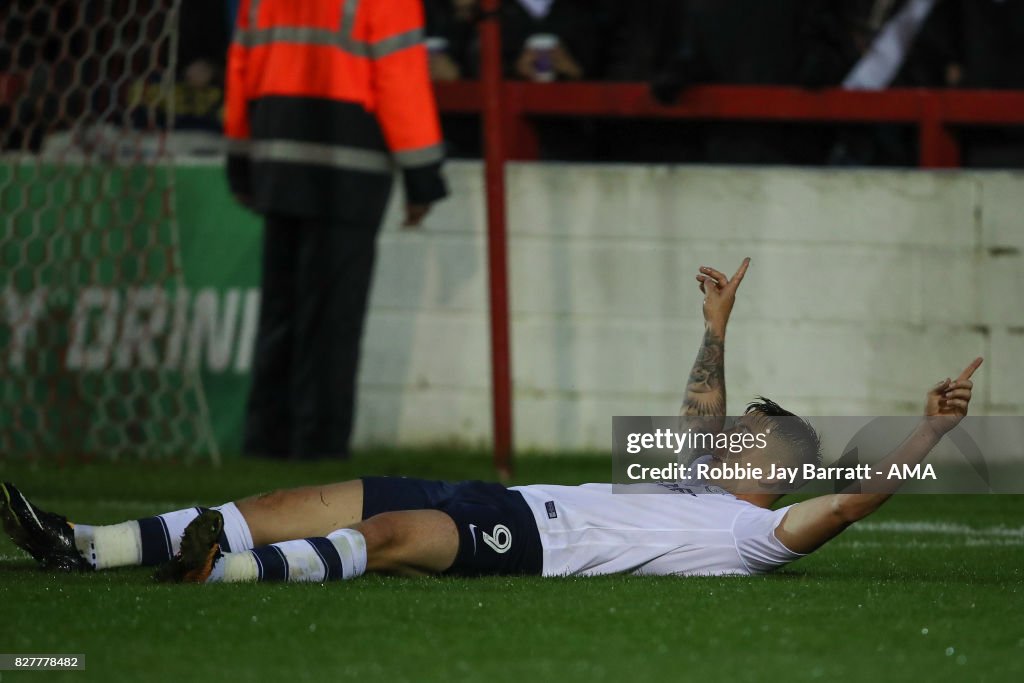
pixel 933 112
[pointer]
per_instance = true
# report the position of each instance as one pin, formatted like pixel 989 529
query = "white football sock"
pixel 342 555
pixel 152 540
pixel 113 545
pixel 236 530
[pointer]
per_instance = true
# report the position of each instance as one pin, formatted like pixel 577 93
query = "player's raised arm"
pixel 705 389
pixel 810 524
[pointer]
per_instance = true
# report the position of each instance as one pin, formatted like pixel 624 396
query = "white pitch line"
pixel 983 542
pixel 936 545
pixel 8 558
pixel 946 528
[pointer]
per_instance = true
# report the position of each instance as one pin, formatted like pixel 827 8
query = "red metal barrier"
pixel 933 112
pixel 490 100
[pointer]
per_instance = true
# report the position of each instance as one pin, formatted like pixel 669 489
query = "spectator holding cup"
pixel 544 59
pixel 450 28
pixel 550 40
pixel 545 40
pixel 442 66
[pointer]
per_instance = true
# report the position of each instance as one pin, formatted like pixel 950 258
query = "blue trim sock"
pixel 154 540
pixel 341 555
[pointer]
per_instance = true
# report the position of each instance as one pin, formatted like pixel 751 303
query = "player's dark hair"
pixel 790 428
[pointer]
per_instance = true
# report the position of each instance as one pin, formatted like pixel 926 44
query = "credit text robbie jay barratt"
pixel 745 471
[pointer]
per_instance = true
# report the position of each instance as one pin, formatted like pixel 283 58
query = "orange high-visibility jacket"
pixel 324 98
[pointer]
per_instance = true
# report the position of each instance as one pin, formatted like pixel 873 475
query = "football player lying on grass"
pixel 414 527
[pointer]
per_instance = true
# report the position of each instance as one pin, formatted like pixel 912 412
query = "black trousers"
pixel 316 282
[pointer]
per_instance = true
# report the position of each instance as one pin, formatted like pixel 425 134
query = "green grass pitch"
pixel 929 589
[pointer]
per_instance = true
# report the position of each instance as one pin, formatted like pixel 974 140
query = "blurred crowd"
pixel 813 43
pixel 670 44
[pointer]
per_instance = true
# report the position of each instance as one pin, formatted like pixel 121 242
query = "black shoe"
pixel 200 550
pixel 47 537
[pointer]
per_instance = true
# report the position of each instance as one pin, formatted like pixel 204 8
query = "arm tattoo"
pixel 705 390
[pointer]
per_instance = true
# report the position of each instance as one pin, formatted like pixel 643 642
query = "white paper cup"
pixel 542 52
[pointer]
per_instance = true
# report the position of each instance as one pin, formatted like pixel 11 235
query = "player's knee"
pixel 386 543
pixel 382 533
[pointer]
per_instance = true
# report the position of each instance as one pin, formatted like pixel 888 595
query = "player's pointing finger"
pixel 741 271
pixel 969 370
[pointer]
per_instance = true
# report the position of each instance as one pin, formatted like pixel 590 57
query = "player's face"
pixel 759 428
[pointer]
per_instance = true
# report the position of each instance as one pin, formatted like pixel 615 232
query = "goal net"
pixel 91 288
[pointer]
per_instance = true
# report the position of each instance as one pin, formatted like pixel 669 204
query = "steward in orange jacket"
pixel 325 98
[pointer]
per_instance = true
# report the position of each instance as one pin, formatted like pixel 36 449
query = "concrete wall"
pixel 865 288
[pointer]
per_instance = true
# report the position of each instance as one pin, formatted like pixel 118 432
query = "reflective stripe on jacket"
pixel 324 98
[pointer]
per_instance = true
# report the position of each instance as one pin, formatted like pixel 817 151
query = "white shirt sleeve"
pixel 756 543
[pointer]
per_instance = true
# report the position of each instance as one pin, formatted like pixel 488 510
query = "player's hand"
pixel 947 402
pixel 719 294
pixel 414 215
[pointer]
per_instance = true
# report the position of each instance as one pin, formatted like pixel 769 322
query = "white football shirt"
pixel 588 530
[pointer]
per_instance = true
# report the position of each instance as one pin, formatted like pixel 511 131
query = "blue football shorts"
pixel 497 531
